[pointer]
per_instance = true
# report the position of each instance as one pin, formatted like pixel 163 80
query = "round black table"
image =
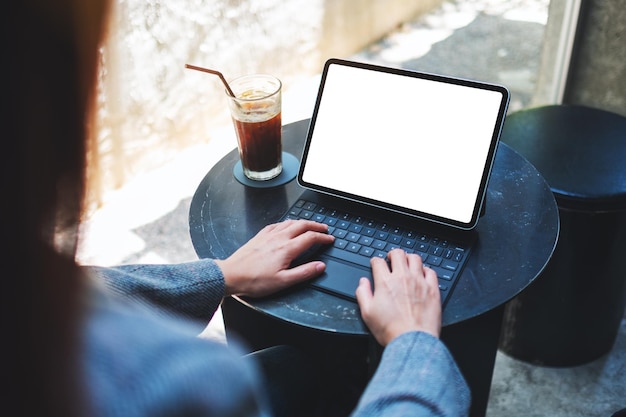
pixel 516 237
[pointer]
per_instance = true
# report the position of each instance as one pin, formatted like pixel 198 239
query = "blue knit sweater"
pixel 142 356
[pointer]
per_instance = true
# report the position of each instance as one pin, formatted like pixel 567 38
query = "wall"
pixel 150 106
pixel 598 69
pixel 597 72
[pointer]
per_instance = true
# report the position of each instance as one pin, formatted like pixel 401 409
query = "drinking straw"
pixel 214 72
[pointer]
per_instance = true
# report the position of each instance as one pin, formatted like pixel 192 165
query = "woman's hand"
pixel 262 265
pixel 406 298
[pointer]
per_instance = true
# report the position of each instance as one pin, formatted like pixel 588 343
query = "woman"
pixel 91 341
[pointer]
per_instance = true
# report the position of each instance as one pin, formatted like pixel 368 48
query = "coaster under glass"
pixel 289 172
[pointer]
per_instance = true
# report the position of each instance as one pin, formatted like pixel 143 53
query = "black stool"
pixel 571 314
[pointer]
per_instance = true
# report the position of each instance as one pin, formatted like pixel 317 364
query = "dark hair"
pixel 46 94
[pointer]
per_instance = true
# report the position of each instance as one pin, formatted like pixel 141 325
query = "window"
pixel 152 110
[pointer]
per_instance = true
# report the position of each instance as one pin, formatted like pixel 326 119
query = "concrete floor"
pixel 147 220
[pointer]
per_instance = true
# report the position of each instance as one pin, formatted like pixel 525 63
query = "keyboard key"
pixel 380 254
pixel 379 244
pixel 409 234
pixel 381 235
pixel 443 274
pixel 436 250
pixel 434 260
pixel 391 246
pixel 343 224
pixel 340 243
pixel 365 251
pixel 368 231
pixel 408 243
pixel 356 228
pixel 370 223
pixel 330 221
pixel 348 256
pixel 422 247
pixel 395 239
pixel 353 247
pixel 318 218
pixel 450 265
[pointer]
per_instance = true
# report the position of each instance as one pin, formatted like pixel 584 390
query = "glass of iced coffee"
pixel 256 112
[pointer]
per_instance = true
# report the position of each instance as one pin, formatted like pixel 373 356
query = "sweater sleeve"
pixel 417 376
pixel 192 289
pixel 137 364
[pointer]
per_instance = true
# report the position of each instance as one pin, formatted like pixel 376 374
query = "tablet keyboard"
pixel 357 239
